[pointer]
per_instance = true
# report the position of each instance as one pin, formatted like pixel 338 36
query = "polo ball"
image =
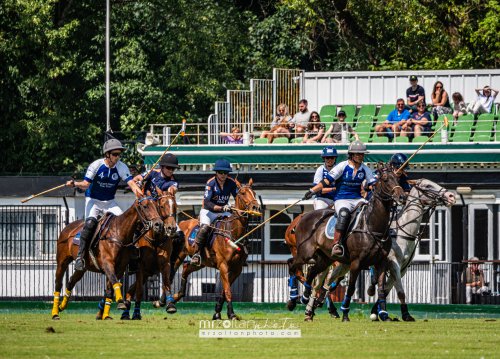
pixel 373 316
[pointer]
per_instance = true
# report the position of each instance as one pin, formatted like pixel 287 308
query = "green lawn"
pixel 81 336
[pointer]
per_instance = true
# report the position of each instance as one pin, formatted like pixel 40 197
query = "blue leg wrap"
pixel 170 298
pixel 291 281
pixel 126 312
pixel 137 310
pixel 307 285
pixel 101 304
pixel 334 285
pixel 382 313
pixel 345 305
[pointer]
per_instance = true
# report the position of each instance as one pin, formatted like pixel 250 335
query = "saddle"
pixel 330 226
pixel 212 232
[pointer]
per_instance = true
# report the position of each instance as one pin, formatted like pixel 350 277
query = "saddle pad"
pixel 102 225
pixel 212 233
pixel 76 240
pixel 330 226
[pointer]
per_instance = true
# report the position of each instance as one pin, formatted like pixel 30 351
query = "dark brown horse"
pixel 155 251
pixel 112 254
pixel 222 256
pixel 366 245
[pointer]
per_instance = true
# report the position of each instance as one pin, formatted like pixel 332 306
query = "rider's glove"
pixel 227 208
pixel 139 184
pixel 309 194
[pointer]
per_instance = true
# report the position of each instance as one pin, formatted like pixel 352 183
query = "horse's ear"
pixel 250 183
pixel 159 191
pixel 380 167
pixel 149 193
pixel 237 183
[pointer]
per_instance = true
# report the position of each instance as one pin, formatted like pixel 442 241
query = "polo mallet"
pixel 293 204
pixel 182 132
pixel 408 160
pixel 253 213
pixel 36 195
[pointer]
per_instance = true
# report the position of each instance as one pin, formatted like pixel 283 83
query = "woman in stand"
pixel 315 129
pixel 279 127
pixel 440 101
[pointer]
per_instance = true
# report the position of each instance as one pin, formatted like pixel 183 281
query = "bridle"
pixel 239 196
pixel 383 194
pixel 146 221
pixel 174 208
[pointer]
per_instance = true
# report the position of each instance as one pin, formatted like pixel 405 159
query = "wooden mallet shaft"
pixel 36 195
pixel 445 124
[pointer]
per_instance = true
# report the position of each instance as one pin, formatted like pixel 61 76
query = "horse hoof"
pixel 157 304
pixel 108 318
pixel 121 306
pixel 171 309
pixel 55 317
pixel 409 319
pixel 387 319
pixel 346 320
pixel 335 315
pixel 371 291
pixel 308 319
pixel 98 317
pixel 233 317
pixel 291 304
pixel 136 317
pixel 217 316
pixel 125 317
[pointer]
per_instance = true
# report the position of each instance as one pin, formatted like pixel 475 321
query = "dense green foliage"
pixel 172 59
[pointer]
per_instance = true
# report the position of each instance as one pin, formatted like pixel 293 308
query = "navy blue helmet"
pixel 223 165
pixel 398 160
pixel 329 152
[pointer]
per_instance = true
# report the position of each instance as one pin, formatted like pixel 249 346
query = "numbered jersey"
pixel 347 185
pixel 156 180
pixel 322 173
pixel 104 180
pixel 217 195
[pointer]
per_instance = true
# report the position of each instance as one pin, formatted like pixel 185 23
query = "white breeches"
pixel 207 217
pixel 350 204
pixel 94 207
pixel 322 203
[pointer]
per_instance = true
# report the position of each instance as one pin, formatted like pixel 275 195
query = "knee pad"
pixel 89 227
pixel 202 235
pixel 344 217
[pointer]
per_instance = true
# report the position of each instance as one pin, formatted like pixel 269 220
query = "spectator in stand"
pixel 414 93
pixel 315 129
pixel 418 124
pixel 483 102
pixel 394 121
pixel 335 130
pixel 474 281
pixel 233 138
pixel 459 107
pixel 279 126
pixel 299 122
pixel 440 101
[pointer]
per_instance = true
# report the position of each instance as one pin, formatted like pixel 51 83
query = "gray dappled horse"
pixel 366 244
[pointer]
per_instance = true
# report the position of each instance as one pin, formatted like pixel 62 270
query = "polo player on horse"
pixel 327 196
pixel 349 176
pixel 215 203
pixel 165 181
pixel 100 184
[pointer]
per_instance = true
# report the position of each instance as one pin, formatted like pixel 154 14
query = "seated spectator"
pixel 298 124
pixel 315 129
pixel 483 102
pixel 394 121
pixel 279 127
pixel 335 130
pixel 234 138
pixel 440 101
pixel 459 107
pixel 474 281
pixel 418 124
pixel 414 93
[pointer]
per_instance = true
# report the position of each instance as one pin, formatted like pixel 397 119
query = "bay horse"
pixel 228 260
pixel 365 245
pixel 155 251
pixel 112 253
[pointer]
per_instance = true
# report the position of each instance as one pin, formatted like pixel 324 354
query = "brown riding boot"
pixel 200 241
pixel 337 250
pixel 196 260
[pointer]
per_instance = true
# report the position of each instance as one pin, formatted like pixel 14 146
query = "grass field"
pixel 81 336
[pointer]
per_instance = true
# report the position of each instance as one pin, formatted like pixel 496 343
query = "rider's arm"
pixel 87 179
pixel 134 187
pixel 138 178
pixel 370 178
pixel 83 185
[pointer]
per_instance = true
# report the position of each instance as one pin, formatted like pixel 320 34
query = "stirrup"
pixel 196 263
pixel 333 249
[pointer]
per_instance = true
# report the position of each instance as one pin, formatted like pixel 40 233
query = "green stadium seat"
pixel 297 140
pixel 460 138
pixel 485 120
pixel 401 139
pixel 350 121
pixel 481 138
pixel 385 110
pixel 366 110
pixel 280 140
pixel 440 121
pixel 350 110
pixel 363 128
pixel 363 138
pixel 437 137
pixel 420 139
pixel 377 139
pixel 327 118
pixel 465 119
pixel 328 110
pixel 261 141
pixel 364 120
pixel 463 129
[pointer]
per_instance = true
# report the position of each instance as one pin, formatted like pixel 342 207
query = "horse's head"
pixel 388 187
pixel 148 213
pixel 430 193
pixel 245 199
pixel 167 208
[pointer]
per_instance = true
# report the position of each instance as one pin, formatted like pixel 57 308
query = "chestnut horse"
pixel 112 254
pixel 368 243
pixel 155 250
pixel 228 260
